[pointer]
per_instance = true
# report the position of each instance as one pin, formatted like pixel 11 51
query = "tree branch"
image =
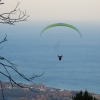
pixel 6 18
pixel 13 66
pixel 1 3
pixel 5 39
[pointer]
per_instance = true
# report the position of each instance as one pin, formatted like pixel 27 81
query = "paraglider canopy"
pixel 60 24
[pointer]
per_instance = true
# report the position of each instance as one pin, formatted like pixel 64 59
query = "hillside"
pixel 44 93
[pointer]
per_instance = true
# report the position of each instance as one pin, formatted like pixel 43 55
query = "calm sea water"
pixel 79 68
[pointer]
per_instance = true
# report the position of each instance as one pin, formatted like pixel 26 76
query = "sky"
pixel 54 11
pixel 59 10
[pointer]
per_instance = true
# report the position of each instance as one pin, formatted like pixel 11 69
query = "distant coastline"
pixel 16 92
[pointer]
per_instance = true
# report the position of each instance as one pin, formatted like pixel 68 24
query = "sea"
pixel 33 54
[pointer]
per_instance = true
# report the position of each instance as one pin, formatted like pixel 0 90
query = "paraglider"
pixel 60 24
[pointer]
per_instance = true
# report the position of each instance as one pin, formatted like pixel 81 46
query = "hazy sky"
pixel 63 10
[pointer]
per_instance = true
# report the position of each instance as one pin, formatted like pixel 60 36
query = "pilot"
pixel 60 57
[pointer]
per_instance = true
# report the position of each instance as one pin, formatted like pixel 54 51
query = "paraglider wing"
pixel 61 24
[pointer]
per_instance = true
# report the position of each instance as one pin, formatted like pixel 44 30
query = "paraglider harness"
pixel 60 57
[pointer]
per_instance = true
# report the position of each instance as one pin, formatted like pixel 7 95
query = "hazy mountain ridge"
pixel 45 93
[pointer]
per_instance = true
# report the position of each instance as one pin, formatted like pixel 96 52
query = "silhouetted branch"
pixel 9 65
pixel 7 75
pixel 6 18
pixel 5 39
pixel 1 2
pixel 13 81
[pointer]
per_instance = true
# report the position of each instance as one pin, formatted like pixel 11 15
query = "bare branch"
pixel 11 18
pixel 1 3
pixel 6 18
pixel 5 39
pixel 10 65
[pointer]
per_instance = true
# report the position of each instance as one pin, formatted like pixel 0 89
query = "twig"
pixel 7 19
pixel 13 67
pixel 5 39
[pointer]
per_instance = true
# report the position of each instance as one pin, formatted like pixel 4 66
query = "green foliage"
pixel 83 96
